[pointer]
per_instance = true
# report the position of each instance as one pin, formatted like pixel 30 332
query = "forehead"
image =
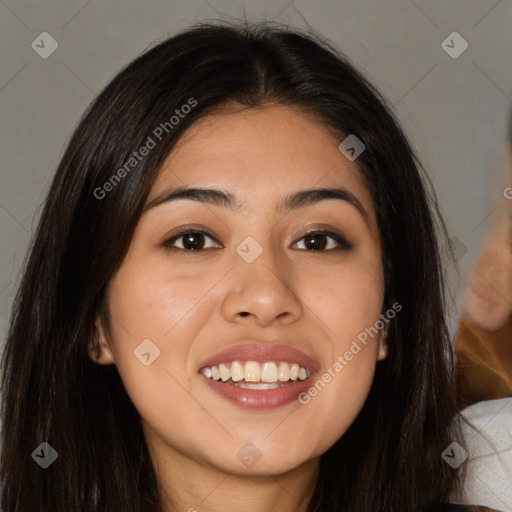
pixel 260 155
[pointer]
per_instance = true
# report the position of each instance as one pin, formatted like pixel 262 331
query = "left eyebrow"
pixel 218 197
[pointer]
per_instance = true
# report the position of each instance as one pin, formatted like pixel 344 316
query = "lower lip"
pixel 260 399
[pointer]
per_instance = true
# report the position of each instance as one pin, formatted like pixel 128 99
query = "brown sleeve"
pixel 484 363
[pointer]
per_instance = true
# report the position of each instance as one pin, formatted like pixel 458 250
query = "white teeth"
pixel 284 372
pixel 269 372
pixel 225 374
pixel 237 371
pixel 252 372
pixel 268 375
pixel 259 385
pixel 215 373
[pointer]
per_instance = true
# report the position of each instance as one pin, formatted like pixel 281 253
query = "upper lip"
pixel 261 352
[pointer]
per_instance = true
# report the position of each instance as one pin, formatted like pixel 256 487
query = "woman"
pixel 234 296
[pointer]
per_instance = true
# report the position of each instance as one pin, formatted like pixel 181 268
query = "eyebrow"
pixel 218 197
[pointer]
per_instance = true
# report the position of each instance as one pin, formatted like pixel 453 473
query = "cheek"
pixel 150 301
pixel 350 306
pixel 350 301
pixel 338 393
pixel 156 313
pixel 154 318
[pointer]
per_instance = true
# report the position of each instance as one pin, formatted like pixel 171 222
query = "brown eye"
pixel 192 240
pixel 318 241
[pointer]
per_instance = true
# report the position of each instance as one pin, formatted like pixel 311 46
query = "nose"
pixel 261 292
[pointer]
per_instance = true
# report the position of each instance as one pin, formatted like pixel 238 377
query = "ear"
pixel 100 351
pixel 383 344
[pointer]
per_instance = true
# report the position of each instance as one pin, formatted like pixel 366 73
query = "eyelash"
pixel 343 243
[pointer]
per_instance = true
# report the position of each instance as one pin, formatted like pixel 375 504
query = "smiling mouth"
pixel 256 375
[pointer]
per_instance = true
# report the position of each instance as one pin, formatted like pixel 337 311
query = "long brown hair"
pixel 390 458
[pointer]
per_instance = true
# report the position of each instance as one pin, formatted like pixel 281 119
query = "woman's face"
pixel 219 334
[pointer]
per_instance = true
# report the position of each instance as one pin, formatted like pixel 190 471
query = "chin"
pixel 263 459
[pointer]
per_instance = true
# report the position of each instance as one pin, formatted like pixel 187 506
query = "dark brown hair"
pixel 390 458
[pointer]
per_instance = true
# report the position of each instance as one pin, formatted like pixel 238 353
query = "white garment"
pixel 489 448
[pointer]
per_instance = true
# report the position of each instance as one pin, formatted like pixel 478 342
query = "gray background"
pixel 453 110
